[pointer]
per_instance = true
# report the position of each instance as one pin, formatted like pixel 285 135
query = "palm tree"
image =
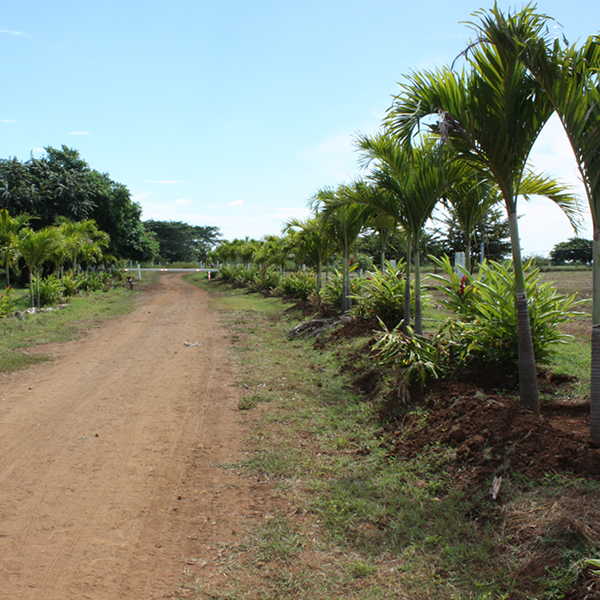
pixel 491 117
pixel 411 183
pixel 36 247
pixel 344 220
pixel 9 228
pixel 569 79
pixel 310 239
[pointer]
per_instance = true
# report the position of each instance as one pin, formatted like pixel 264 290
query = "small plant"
pixel 382 295
pixel 332 292
pixel 299 285
pixel 413 358
pixel 71 282
pixel 7 304
pixel 486 305
pixel 51 290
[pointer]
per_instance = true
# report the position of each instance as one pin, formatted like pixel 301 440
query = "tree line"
pixel 462 137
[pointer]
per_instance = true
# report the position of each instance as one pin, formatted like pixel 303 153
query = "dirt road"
pixel 109 484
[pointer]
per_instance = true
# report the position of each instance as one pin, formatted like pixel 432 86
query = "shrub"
pixel 382 295
pixel 266 280
pixel 71 282
pixel 413 358
pixel 299 285
pixel 332 291
pixel 90 283
pixel 51 290
pixel 7 304
pixel 487 307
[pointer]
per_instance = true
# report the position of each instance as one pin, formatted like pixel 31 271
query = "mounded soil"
pixel 110 485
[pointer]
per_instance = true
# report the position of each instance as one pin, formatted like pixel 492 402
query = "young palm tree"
pixel 569 79
pixel 9 228
pixel 311 240
pixel 36 247
pixel 344 221
pixel 491 117
pixel 410 184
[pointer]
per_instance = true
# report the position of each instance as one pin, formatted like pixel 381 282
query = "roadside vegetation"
pixel 370 503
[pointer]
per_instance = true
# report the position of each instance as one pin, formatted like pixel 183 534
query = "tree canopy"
pixel 576 250
pixel 62 184
pixel 181 242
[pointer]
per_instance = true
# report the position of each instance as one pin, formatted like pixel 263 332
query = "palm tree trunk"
pixel 418 309
pixel 31 297
pixel 595 387
pixel 528 388
pixel 346 300
pixel 468 255
pixel 406 322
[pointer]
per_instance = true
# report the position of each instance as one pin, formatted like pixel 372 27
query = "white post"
pixel 459 260
pixel 139 270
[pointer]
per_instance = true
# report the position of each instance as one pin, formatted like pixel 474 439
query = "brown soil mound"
pixel 493 434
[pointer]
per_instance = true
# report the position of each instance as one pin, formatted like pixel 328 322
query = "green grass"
pixel 359 523
pixel 17 336
pixel 226 298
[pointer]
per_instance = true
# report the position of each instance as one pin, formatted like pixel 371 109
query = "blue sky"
pixel 234 113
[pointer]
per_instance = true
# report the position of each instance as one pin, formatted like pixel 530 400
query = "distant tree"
pixel 181 242
pixel 492 230
pixel 577 251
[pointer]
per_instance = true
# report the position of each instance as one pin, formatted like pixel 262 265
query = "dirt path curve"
pixel 108 478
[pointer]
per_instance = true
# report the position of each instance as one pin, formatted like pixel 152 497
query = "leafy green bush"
pixel 413 358
pixel 266 280
pixel 7 304
pixel 332 290
pixel 71 282
pixel 299 285
pixel 382 295
pixel 486 305
pixel 51 290
pixel 90 283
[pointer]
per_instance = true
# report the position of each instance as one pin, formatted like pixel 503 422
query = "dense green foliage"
pixel 576 251
pixel 181 242
pixel 62 184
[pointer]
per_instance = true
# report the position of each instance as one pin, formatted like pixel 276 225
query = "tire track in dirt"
pixel 100 473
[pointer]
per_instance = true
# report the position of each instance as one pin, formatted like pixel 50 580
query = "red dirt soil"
pixel 109 484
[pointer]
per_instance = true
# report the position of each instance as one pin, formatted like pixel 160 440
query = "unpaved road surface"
pixel 109 480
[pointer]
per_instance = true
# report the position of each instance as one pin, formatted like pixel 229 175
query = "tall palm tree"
pixel 411 183
pixel 491 117
pixel 569 79
pixel 9 228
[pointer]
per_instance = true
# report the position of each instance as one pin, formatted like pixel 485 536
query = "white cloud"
pixel 10 32
pixel 236 203
pixel 139 196
pixel 8 121
pixel 212 206
pixel 183 201
pixel 79 133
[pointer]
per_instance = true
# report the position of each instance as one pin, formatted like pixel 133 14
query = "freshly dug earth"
pixel 109 478
pixel 493 435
